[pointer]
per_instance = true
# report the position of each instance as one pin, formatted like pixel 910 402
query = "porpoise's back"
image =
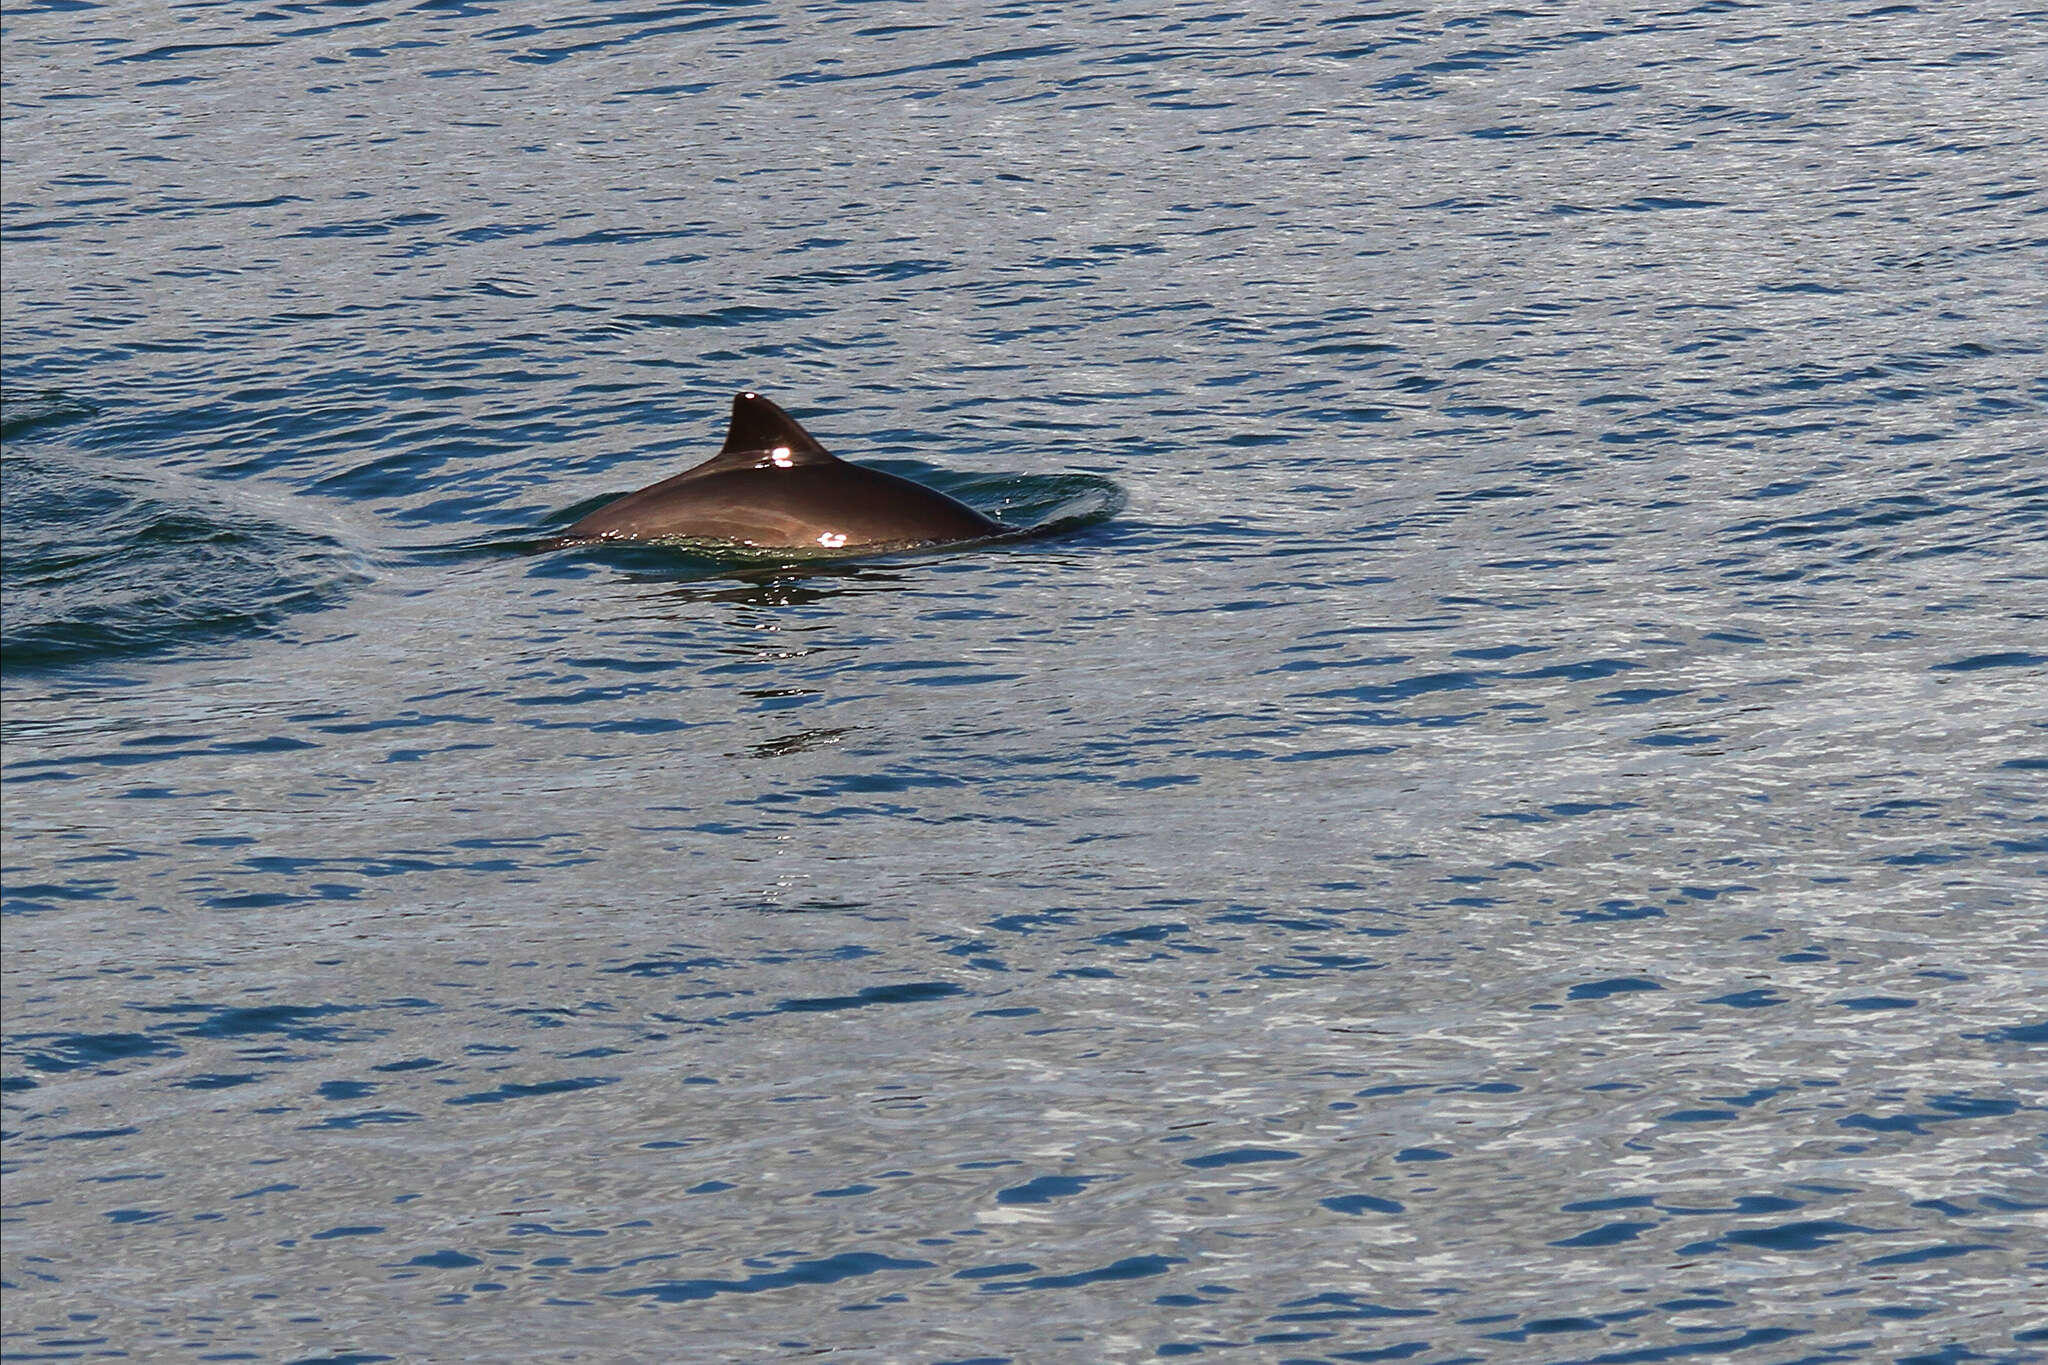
pixel 774 487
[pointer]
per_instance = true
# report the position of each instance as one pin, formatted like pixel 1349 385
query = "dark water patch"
pixel 64 1052
pixel 513 1090
pixel 1797 1237
pixel 296 1022
pixel 1607 1234
pixel 137 1215
pixel 42 897
pixel 410 1064
pixel 1675 739
pixel 220 1080
pixel 1636 696
pixel 1047 1188
pixel 81 1135
pixel 1006 1270
pixel 134 754
pixel 373 227
pixel 1756 998
pixel 446 1259
pixel 2008 659
pixel 346 1090
pixel 1618 985
pixel 827 276
pixel 1338 1306
pixel 61 1052
pixel 1356 1204
pixel 1407 688
pixel 1715 1347
pixel 910 992
pixel 2022 1033
pixel 1615 911
pixel 1543 1327
pixel 1128 1268
pixel 845 1192
pixel 172 51
pixel 330 1234
pixel 737 315
pixel 1144 933
pixel 1741 1204
pixel 1412 1154
pixel 670 966
pixel 825 1270
pixel 1923 1255
pixel 22 413
pixel 1240 1156
pixel 1941 1109
pixel 642 30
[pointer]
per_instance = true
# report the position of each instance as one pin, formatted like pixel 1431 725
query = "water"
pixel 1523 841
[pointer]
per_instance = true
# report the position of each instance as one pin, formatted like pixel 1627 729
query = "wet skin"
pixel 774 487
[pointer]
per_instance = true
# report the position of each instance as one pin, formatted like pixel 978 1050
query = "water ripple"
pixel 1501 820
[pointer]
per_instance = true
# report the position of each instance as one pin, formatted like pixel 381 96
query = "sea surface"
pixel 1505 820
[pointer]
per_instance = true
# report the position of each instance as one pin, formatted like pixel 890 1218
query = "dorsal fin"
pixel 758 424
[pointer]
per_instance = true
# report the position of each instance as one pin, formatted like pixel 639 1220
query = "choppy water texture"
pixel 1523 842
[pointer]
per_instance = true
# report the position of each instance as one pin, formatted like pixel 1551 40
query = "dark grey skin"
pixel 775 488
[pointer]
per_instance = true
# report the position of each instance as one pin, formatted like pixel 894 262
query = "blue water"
pixel 1504 822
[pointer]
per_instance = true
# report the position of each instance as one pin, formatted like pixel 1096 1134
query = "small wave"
pixel 101 566
pixel 1039 505
pixel 21 413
